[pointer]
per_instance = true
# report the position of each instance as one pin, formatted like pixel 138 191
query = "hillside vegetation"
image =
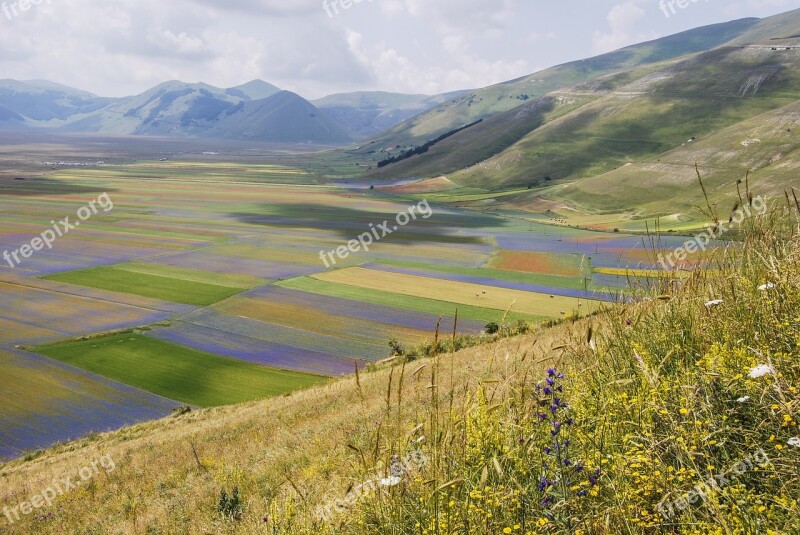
pixel 610 141
pixel 596 426
pixel 499 98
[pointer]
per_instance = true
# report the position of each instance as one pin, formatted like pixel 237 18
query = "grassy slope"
pixel 775 27
pixel 499 98
pixel 696 97
pixel 289 455
pixel 177 372
pixel 607 137
pixel 767 145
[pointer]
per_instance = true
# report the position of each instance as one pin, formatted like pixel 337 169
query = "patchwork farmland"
pixel 194 292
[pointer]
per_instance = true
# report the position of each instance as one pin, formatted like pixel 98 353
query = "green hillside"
pixel 616 149
pixel 685 101
pixel 502 97
pixel 767 145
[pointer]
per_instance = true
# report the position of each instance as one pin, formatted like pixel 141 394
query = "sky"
pixel 318 47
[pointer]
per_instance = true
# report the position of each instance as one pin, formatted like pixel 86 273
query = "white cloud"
pixel 127 46
pixel 623 21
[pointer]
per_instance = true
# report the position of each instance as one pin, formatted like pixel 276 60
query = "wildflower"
pixel 761 370
pixel 794 442
pixel 714 303
pixel 390 481
pixel 743 399
pixel 628 322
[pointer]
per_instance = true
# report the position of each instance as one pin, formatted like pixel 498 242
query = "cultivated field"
pixel 204 284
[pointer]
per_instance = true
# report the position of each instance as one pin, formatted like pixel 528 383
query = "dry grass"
pixel 295 446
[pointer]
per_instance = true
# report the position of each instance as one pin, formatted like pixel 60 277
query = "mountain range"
pixel 256 111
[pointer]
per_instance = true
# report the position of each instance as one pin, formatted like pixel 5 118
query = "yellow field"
pixel 645 273
pixel 463 293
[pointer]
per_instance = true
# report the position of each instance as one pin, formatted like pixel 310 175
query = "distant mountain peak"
pixel 254 90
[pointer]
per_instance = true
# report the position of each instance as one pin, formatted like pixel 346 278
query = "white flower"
pixel 715 303
pixel 767 286
pixel 390 481
pixel 744 399
pixel 794 442
pixel 761 370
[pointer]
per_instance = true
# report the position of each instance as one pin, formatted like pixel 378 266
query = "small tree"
pixel 397 349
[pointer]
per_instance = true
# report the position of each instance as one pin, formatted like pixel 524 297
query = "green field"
pixel 188 287
pixel 175 372
pixel 243 282
pixel 407 302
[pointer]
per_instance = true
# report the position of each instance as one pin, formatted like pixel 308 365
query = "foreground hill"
pixel 601 426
